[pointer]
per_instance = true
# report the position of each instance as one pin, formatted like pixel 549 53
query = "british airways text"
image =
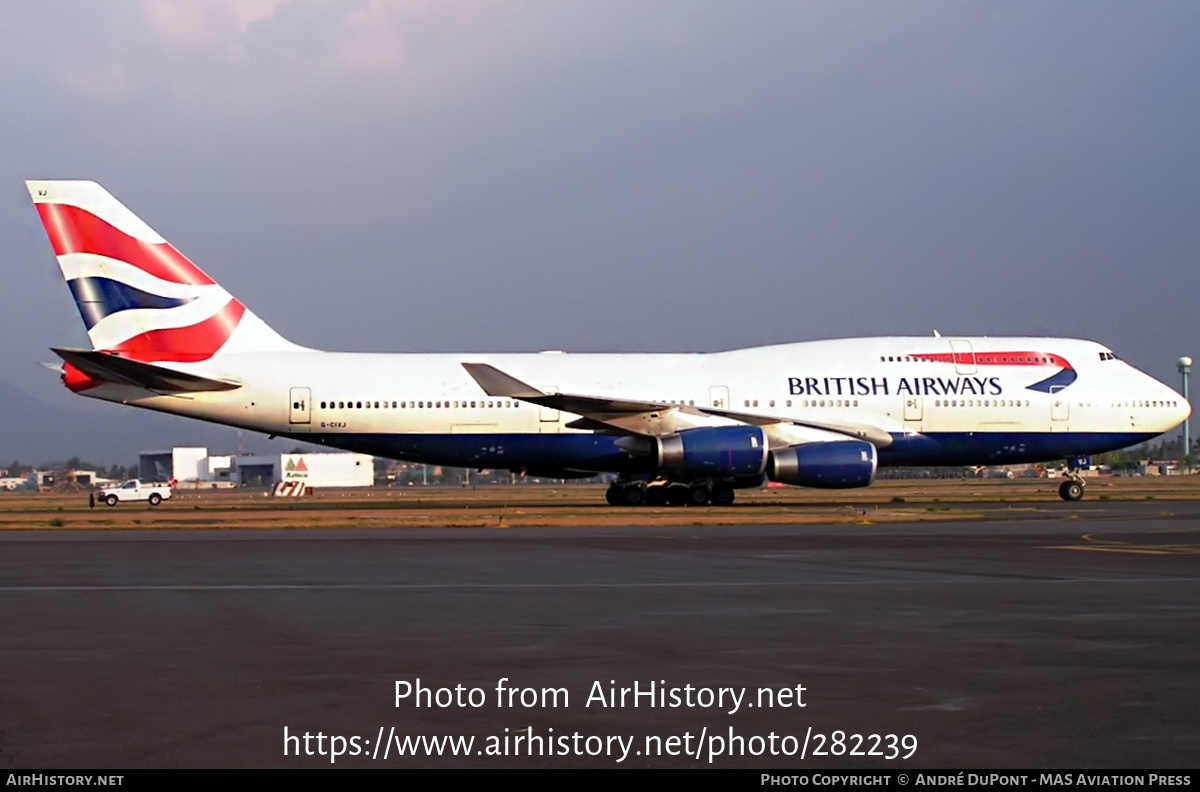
pixel 881 386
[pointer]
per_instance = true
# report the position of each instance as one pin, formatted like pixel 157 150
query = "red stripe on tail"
pixel 184 344
pixel 75 230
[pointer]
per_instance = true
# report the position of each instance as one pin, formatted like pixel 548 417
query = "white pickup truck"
pixel 135 490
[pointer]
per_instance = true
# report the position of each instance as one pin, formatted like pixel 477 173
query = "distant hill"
pixel 35 432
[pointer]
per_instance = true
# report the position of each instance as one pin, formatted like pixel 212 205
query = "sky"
pixel 518 175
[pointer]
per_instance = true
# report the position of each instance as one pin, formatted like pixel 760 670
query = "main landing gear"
pixel 662 493
pixel 1073 489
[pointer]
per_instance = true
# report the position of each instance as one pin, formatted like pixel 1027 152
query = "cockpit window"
pixel 1108 356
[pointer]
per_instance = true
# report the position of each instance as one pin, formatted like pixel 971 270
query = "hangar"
pixel 195 468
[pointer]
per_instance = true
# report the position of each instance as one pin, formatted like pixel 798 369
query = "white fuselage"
pixel 973 397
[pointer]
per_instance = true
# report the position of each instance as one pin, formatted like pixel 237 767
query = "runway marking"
pixel 1124 550
pixel 1100 545
pixel 544 586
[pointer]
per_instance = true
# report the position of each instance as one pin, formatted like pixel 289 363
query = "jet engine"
pixel 835 465
pixel 705 452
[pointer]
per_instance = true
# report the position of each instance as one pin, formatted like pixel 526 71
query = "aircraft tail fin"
pixel 139 297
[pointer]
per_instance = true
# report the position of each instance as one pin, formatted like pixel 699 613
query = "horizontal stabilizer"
pixel 112 368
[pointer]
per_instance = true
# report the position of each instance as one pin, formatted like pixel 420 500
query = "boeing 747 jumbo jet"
pixel 687 428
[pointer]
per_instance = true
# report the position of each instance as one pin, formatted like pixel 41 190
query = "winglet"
pixel 496 383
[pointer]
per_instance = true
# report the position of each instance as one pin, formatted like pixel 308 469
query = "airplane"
pixel 674 428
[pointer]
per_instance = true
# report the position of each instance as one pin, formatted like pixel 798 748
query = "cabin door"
pixel 301 410
pixel 964 357
pixel 548 417
pixel 913 409
pixel 1060 408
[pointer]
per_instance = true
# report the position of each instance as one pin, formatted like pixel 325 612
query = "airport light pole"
pixel 1185 369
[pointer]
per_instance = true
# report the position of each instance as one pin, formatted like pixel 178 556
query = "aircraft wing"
pixel 860 431
pixel 123 371
pixel 628 416
pixel 496 383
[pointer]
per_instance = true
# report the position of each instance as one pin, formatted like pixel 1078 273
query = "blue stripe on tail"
pixel 100 297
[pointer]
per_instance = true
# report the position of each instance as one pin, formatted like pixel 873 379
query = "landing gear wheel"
pixel 615 495
pixel 111 500
pixel 1071 490
pixel 722 496
pixel 634 495
pixel 677 495
pixel 697 496
pixel 657 495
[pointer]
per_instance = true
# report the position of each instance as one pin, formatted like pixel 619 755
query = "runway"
pixel 1067 642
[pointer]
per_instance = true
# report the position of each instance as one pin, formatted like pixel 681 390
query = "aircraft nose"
pixel 1185 409
pixel 1180 407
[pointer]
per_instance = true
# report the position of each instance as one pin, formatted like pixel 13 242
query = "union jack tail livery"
pixel 140 298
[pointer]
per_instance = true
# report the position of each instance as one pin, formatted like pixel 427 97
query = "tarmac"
pixel 1059 642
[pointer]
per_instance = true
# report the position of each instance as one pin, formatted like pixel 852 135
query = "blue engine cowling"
pixel 838 465
pixel 723 451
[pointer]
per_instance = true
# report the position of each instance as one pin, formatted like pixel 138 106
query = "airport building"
pixel 195 468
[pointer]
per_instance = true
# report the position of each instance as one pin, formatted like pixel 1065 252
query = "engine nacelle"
pixel 838 465
pixel 720 452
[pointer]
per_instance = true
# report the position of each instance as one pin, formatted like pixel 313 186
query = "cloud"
pixel 103 82
pixel 218 25
pixel 241 53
